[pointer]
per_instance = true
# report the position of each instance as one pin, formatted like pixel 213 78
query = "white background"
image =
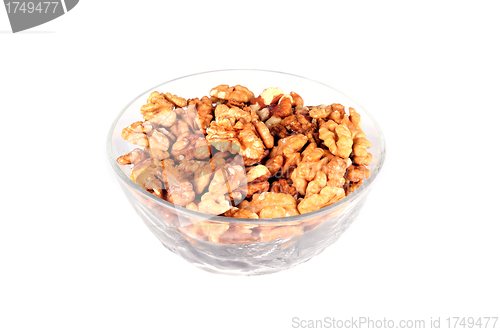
pixel 74 256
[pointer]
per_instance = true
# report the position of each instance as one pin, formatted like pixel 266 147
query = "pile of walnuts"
pixel 237 155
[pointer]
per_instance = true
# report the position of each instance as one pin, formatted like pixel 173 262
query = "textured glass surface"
pixel 284 242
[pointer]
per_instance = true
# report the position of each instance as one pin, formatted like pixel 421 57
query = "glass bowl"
pixel 229 245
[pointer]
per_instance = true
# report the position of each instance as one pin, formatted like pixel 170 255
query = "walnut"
pixel 239 233
pixel 360 155
pixel 232 131
pixel 194 230
pixel 278 130
pixel 231 115
pixel 167 133
pixel 282 186
pixel 149 129
pixel 236 93
pixel 213 204
pixel 334 112
pixel 179 190
pixel 287 148
pixel 179 128
pixel 191 119
pixel 218 185
pixel 234 212
pixel 301 177
pixel 157 154
pixel 256 188
pixel 164 118
pixel 220 159
pixel 183 148
pixel 312 153
pixel 304 111
pixel 297 100
pixel 234 103
pixel 258 173
pixel 211 230
pixel 354 119
pixel 275 102
pixel 350 187
pixel 223 138
pixel 262 113
pixel 264 134
pixel 270 96
pixel 236 176
pixel 292 125
pixel 168 162
pixel 283 108
pixel 198 172
pixel 320 112
pixel 252 147
pixel 147 175
pixel 290 147
pixel 159 145
pixel 124 159
pixel 189 146
pixel 306 172
pixel 298 124
pixel 187 167
pixel 337 113
pixel 178 101
pixel 192 206
pixel 360 144
pixel 135 134
pixel 139 168
pixel 315 186
pixel 272 121
pixel 337 138
pixel 205 111
pixel 357 173
pixel 327 196
pixel 157 102
pixel 230 180
pixel 201 148
pixel 134 157
pixel 336 169
pixel 275 164
pixel 354 177
pixel 260 201
pixel 273 212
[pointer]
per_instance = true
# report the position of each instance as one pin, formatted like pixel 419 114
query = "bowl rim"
pixel 221 219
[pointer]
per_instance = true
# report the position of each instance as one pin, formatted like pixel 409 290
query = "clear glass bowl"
pixel 282 242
